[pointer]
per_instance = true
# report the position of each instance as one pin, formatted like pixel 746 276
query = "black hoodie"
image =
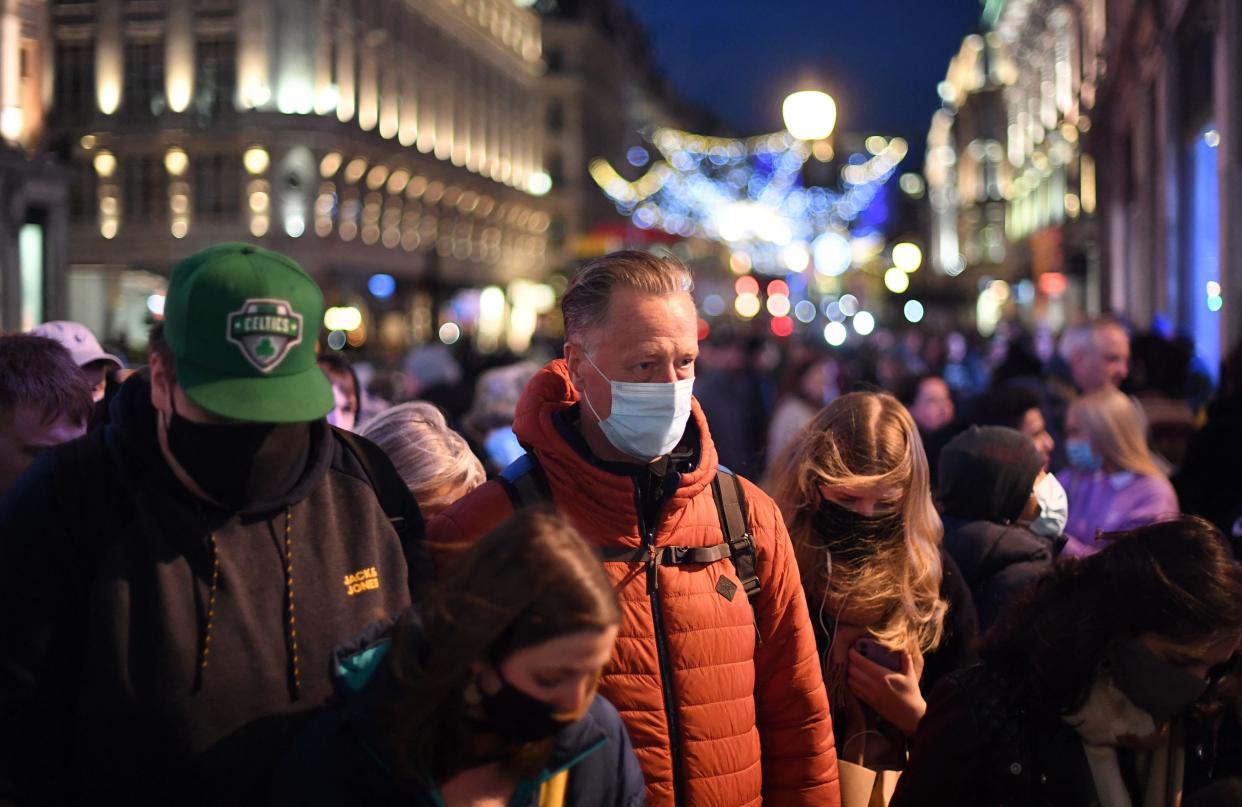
pixel 157 648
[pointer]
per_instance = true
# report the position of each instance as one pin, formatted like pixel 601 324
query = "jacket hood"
pixel 607 498
pixel 987 473
pixel 135 444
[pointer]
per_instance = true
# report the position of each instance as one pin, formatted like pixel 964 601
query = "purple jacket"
pixel 1103 502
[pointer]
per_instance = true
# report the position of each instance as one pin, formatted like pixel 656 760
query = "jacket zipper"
pixel 666 673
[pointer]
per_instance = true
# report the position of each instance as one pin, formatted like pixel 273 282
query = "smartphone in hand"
pixel 872 650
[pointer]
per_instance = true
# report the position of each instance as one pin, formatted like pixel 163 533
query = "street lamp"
pixel 809 114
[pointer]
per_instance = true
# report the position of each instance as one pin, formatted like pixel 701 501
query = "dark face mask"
pixel 842 530
pixel 238 464
pixel 519 718
pixel 1161 689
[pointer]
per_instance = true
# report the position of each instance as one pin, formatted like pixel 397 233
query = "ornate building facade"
pixel 1169 143
pixel 399 138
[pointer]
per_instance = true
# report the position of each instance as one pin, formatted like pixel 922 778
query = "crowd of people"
pixel 254 572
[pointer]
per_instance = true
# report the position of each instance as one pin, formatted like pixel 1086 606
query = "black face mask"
pixel 844 531
pixel 519 718
pixel 1161 689
pixel 238 464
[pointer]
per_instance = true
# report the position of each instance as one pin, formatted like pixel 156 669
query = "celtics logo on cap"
pixel 265 331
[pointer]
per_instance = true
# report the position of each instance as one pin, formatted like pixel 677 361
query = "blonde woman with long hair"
pixel 1113 482
pixel 856 496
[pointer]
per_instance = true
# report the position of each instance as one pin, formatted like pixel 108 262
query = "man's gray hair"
pixel 1081 337
pixel 585 304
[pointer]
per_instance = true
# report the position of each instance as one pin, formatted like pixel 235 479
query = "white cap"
pixel 78 340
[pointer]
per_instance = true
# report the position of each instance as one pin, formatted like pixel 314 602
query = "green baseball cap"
pixel 242 323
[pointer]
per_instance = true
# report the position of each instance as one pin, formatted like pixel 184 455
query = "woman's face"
pixel 1074 429
pixel 876 500
pixel 562 672
pixel 1196 658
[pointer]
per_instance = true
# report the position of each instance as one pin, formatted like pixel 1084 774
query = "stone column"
pixel 10 264
pixel 108 56
pixel 179 56
pixel 346 32
pixel 254 86
pixel 410 79
pixel 368 74
pixel 1228 103
pixel 1168 260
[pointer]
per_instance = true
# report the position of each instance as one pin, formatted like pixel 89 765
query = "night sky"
pixel 880 59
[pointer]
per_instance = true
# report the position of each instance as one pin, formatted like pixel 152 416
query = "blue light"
pixel 382 286
pixel 637 156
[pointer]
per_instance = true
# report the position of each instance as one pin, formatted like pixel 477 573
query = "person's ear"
pixel 573 363
pixel 161 384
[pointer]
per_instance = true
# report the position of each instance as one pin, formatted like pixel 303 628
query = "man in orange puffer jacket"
pixel 722 697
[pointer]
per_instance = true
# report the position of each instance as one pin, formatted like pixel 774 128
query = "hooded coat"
pixel 986 478
pixel 725 705
pixel 158 649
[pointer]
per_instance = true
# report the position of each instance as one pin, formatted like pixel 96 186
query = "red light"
pixel 1053 284
pixel 778 287
pixel 782 326
pixel 746 285
pixel 704 329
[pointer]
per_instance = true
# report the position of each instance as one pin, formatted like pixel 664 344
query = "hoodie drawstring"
pixel 295 667
pixel 204 648
pixel 295 661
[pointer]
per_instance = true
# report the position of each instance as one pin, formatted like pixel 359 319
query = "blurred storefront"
pixel 1169 140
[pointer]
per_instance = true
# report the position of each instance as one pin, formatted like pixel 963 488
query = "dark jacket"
pixel 961 628
pixel 1209 483
pixel 979 745
pixel 343 758
pixel 108 597
pixel 999 562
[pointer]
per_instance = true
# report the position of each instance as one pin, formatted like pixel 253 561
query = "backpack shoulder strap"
pixel 398 504
pixel 735 523
pixel 525 482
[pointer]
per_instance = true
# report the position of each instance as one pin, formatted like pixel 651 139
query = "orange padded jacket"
pixel 724 705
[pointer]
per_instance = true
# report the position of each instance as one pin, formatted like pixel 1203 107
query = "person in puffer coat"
pixel 484 692
pixel 722 697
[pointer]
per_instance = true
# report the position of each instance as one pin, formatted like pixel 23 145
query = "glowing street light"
pixel 810 114
pixel 907 257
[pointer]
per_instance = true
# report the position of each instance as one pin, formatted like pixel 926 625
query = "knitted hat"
pixel 988 473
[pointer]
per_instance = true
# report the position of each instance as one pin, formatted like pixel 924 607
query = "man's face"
pixel 1106 363
pixel 645 338
pixel 933 406
pixel 97 375
pixel 345 413
pixel 164 389
pixel 1034 427
pixel 24 434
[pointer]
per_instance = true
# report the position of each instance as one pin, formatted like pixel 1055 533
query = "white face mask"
pixel 1053 508
pixel 647 419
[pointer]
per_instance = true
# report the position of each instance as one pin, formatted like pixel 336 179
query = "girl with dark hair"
pixel 1113 682
pixel 482 695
